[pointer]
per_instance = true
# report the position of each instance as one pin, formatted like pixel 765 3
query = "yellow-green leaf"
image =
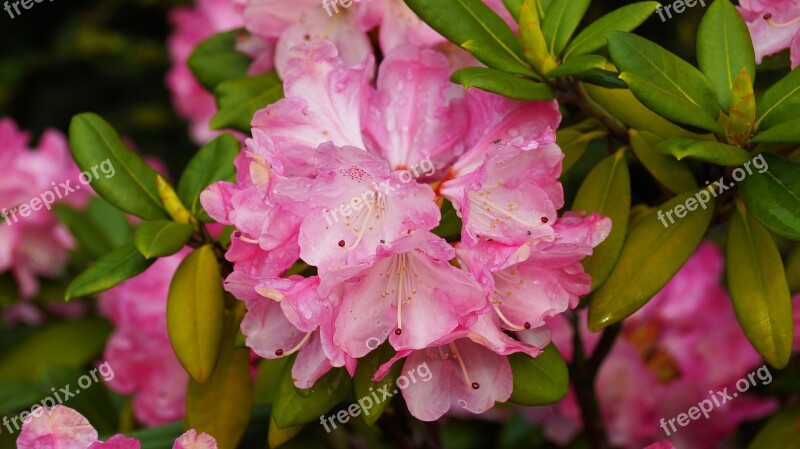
pixel 607 191
pixel 278 436
pixel 672 174
pixel 654 251
pixel 743 110
pixel 196 313
pixel 758 287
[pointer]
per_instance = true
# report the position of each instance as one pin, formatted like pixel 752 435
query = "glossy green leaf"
pixel 787 132
pixel 626 18
pixel 499 61
pixel 664 82
pixel 132 187
pixel 606 191
pixel 577 65
pixel 470 20
pixel 574 143
pixel 362 380
pixel 99 229
pixel 278 436
pixel 758 288
pixel 503 84
pixel 450 225
pixel 216 60
pixel 656 248
pixel 161 238
pixel 117 229
pixel 780 102
pixel 538 381
pixel 622 104
pixel 704 150
pixel 724 48
pixel 119 265
pixel 238 99
pixel 67 344
pixel 223 405
pixel 268 379
pixel 604 78
pixel 780 431
pixel 773 196
pixel 196 313
pixel 560 21
pixel 672 174
pixel 212 163
pixel 295 406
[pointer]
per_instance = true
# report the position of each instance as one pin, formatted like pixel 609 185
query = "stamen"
pixel 281 353
pixel 457 355
pixel 768 18
pixel 241 237
pixel 513 326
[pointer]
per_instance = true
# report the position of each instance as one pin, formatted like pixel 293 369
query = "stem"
pixel 584 372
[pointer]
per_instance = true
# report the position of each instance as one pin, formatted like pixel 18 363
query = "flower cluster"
pixel 667 360
pixel 340 143
pixel 64 428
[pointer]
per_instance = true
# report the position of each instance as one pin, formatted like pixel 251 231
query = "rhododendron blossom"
pixel 774 26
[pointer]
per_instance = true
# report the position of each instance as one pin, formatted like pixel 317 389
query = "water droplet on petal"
pixel 462 403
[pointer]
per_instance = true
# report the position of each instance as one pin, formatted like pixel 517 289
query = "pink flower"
pixel 32 242
pixel 661 445
pixel 139 348
pixel 64 428
pixel 193 25
pixel 468 370
pixel 774 26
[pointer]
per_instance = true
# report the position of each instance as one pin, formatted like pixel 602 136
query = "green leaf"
pixel 133 187
pixel 780 102
pixel 119 265
pixel 268 380
pixel 672 174
pixel 758 288
pixel 470 20
pixel 577 65
pixel 513 7
pixel 16 395
pixel 502 83
pixel 362 380
pixel 116 228
pixel 499 61
pixel 622 104
pixel 161 437
pixel 295 406
pixel 212 163
pixel 780 431
pixel 278 436
pixel 607 191
pixel 605 78
pixel 626 18
pixel 574 143
pixel 161 238
pixel 724 48
pixel 560 21
pixel 654 251
pixel 67 344
pixel 664 82
pixel 704 150
pixel 450 225
pixel 98 230
pixel 223 405
pixel 787 132
pixel 773 196
pixel 196 313
pixel 538 381
pixel 216 60
pixel 238 99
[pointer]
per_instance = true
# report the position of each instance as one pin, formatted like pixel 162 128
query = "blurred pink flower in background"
pixel 64 428
pixel 670 354
pixel 774 26
pixel 36 245
pixel 192 25
pixel 139 348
